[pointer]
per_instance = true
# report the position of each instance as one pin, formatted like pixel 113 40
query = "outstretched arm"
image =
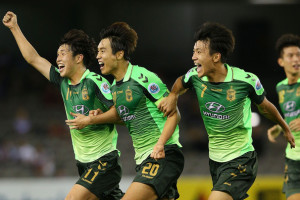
pixel 168 104
pixel 267 109
pixel 27 50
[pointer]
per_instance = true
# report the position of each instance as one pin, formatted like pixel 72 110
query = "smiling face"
pixel 202 58
pixel 106 59
pixel 290 60
pixel 65 61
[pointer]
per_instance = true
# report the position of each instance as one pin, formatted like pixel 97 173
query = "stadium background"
pixel 36 156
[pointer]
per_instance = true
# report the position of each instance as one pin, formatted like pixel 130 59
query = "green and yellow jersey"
pixel 136 98
pixel 289 101
pixel 93 91
pixel 226 110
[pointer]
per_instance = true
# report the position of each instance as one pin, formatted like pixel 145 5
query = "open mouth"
pixel 101 65
pixel 199 66
pixel 297 66
pixel 61 67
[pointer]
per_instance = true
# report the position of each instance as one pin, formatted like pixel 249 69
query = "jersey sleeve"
pixel 153 86
pixel 187 78
pixel 257 92
pixel 55 77
pixel 102 90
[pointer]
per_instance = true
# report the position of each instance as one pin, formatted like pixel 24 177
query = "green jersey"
pixel 136 98
pixel 226 110
pixel 289 101
pixel 93 91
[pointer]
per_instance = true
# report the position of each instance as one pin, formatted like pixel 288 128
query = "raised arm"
pixel 28 52
pixel 267 109
pixel 168 105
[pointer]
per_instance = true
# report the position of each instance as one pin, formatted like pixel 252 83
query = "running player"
pixel 288 47
pixel 225 94
pixel 95 146
pixel 136 94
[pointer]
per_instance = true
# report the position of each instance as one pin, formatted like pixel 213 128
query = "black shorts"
pixel 291 183
pixel 162 174
pixel 102 176
pixel 236 176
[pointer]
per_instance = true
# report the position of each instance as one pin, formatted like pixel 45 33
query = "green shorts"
pixel 102 176
pixel 236 176
pixel 162 174
pixel 291 183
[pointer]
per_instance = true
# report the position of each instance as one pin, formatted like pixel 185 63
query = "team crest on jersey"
pixel 231 94
pixel 153 88
pixel 128 94
pixel 85 94
pixel 105 88
pixel 258 85
pixel 298 92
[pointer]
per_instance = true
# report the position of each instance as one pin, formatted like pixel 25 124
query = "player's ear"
pixel 216 57
pixel 280 62
pixel 79 58
pixel 120 55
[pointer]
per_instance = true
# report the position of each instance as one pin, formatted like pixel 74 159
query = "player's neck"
pixel 76 77
pixel 219 74
pixel 292 78
pixel 121 70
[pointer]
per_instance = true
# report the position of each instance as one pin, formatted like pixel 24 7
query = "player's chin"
pixel 62 74
pixel 200 74
pixel 103 71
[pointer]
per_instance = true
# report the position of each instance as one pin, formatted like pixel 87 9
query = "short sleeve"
pixel 187 78
pixel 55 77
pixel 257 92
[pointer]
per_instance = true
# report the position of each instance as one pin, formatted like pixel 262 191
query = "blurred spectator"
pixel 22 123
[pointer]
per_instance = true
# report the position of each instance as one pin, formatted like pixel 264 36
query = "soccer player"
pixel 288 48
pixel 95 146
pixel 136 94
pixel 225 94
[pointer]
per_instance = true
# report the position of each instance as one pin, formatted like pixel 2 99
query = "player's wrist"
pixel 174 95
pixel 90 120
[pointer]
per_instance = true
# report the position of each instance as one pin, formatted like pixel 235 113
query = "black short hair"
pixel 81 43
pixel 221 39
pixel 286 40
pixel 122 38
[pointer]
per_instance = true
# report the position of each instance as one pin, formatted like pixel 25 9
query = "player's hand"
pixel 158 152
pixel 295 125
pixel 273 133
pixel 95 112
pixel 168 105
pixel 80 121
pixel 290 138
pixel 10 20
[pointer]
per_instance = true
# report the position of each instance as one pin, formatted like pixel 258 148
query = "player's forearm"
pixel 177 88
pixel 27 50
pixel 30 54
pixel 109 117
pixel 169 129
pixel 270 111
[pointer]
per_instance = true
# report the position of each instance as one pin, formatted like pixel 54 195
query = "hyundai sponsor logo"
pixel 215 107
pixel 289 106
